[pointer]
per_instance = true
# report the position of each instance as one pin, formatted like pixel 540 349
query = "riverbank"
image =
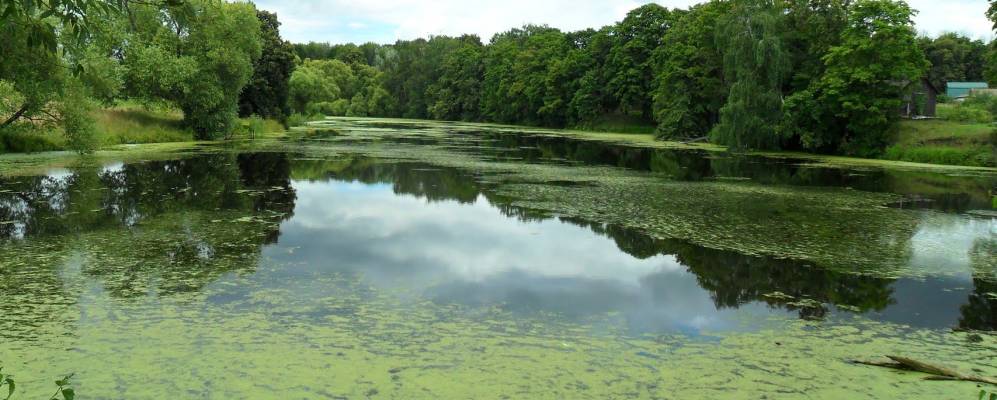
pixel 129 123
pixel 928 144
pixel 649 141
pixel 944 142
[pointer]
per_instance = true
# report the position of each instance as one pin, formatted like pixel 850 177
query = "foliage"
pixel 954 58
pixel 985 102
pixel 456 94
pixel 198 57
pixel 629 68
pixel 853 106
pixel 810 29
pixel 46 22
pixel 820 75
pixel 320 81
pixel 943 142
pixel 37 93
pixel 296 119
pixel 64 390
pixel 690 76
pixel 519 66
pixel 131 124
pixel 755 65
pixel 74 112
pixel 964 113
pixel 267 93
pixel 30 77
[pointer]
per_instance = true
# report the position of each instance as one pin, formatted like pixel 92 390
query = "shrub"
pixel 336 108
pixel 297 119
pixel 23 138
pixel 983 102
pixel 79 127
pixel 965 113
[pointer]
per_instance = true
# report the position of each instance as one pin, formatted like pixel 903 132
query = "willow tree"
pixel 755 65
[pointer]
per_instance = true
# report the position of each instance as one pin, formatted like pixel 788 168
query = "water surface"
pixel 404 260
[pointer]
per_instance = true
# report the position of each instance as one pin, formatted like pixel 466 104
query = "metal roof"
pixel 968 85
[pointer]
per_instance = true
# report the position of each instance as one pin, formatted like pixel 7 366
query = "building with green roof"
pixel 961 90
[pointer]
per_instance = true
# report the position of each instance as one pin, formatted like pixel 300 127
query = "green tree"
pixel 954 58
pixel 266 94
pixel 853 106
pixel 316 84
pixel 313 51
pixel 37 88
pixel 810 29
pixel 516 87
pixel 630 65
pixel 755 65
pixel 592 98
pixel 990 69
pixel 46 22
pixel 456 95
pixel 198 56
pixel 690 89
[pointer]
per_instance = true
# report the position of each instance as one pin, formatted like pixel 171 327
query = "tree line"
pixel 817 75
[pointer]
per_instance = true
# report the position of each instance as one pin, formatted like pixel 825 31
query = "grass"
pixel 944 142
pixel 135 124
pixel 31 141
pixel 130 123
pixel 256 127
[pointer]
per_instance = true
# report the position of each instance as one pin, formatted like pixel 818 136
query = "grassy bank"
pixel 129 123
pixel 944 142
pixel 135 124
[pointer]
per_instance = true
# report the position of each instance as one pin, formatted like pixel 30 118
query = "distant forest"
pixel 819 75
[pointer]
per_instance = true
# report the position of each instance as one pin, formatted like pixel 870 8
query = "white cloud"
pixel 962 16
pixel 385 21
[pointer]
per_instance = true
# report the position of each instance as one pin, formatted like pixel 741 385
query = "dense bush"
pixel 964 113
pixel 983 102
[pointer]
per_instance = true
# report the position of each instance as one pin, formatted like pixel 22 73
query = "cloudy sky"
pixel 385 21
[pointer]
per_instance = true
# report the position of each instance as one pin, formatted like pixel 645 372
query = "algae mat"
pixel 375 260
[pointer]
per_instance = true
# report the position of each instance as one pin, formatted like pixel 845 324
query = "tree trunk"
pixel 14 117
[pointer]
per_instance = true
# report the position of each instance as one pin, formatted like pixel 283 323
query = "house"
pixel 961 90
pixel 920 99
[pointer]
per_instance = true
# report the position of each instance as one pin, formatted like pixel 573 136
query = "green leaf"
pixel 68 394
pixel 10 388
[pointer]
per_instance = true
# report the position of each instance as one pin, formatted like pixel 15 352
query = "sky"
pixel 385 21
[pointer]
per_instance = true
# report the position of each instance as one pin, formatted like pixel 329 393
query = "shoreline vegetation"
pixel 166 121
pixel 87 74
pixel 932 141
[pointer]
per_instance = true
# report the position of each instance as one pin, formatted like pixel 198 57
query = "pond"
pixel 405 259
